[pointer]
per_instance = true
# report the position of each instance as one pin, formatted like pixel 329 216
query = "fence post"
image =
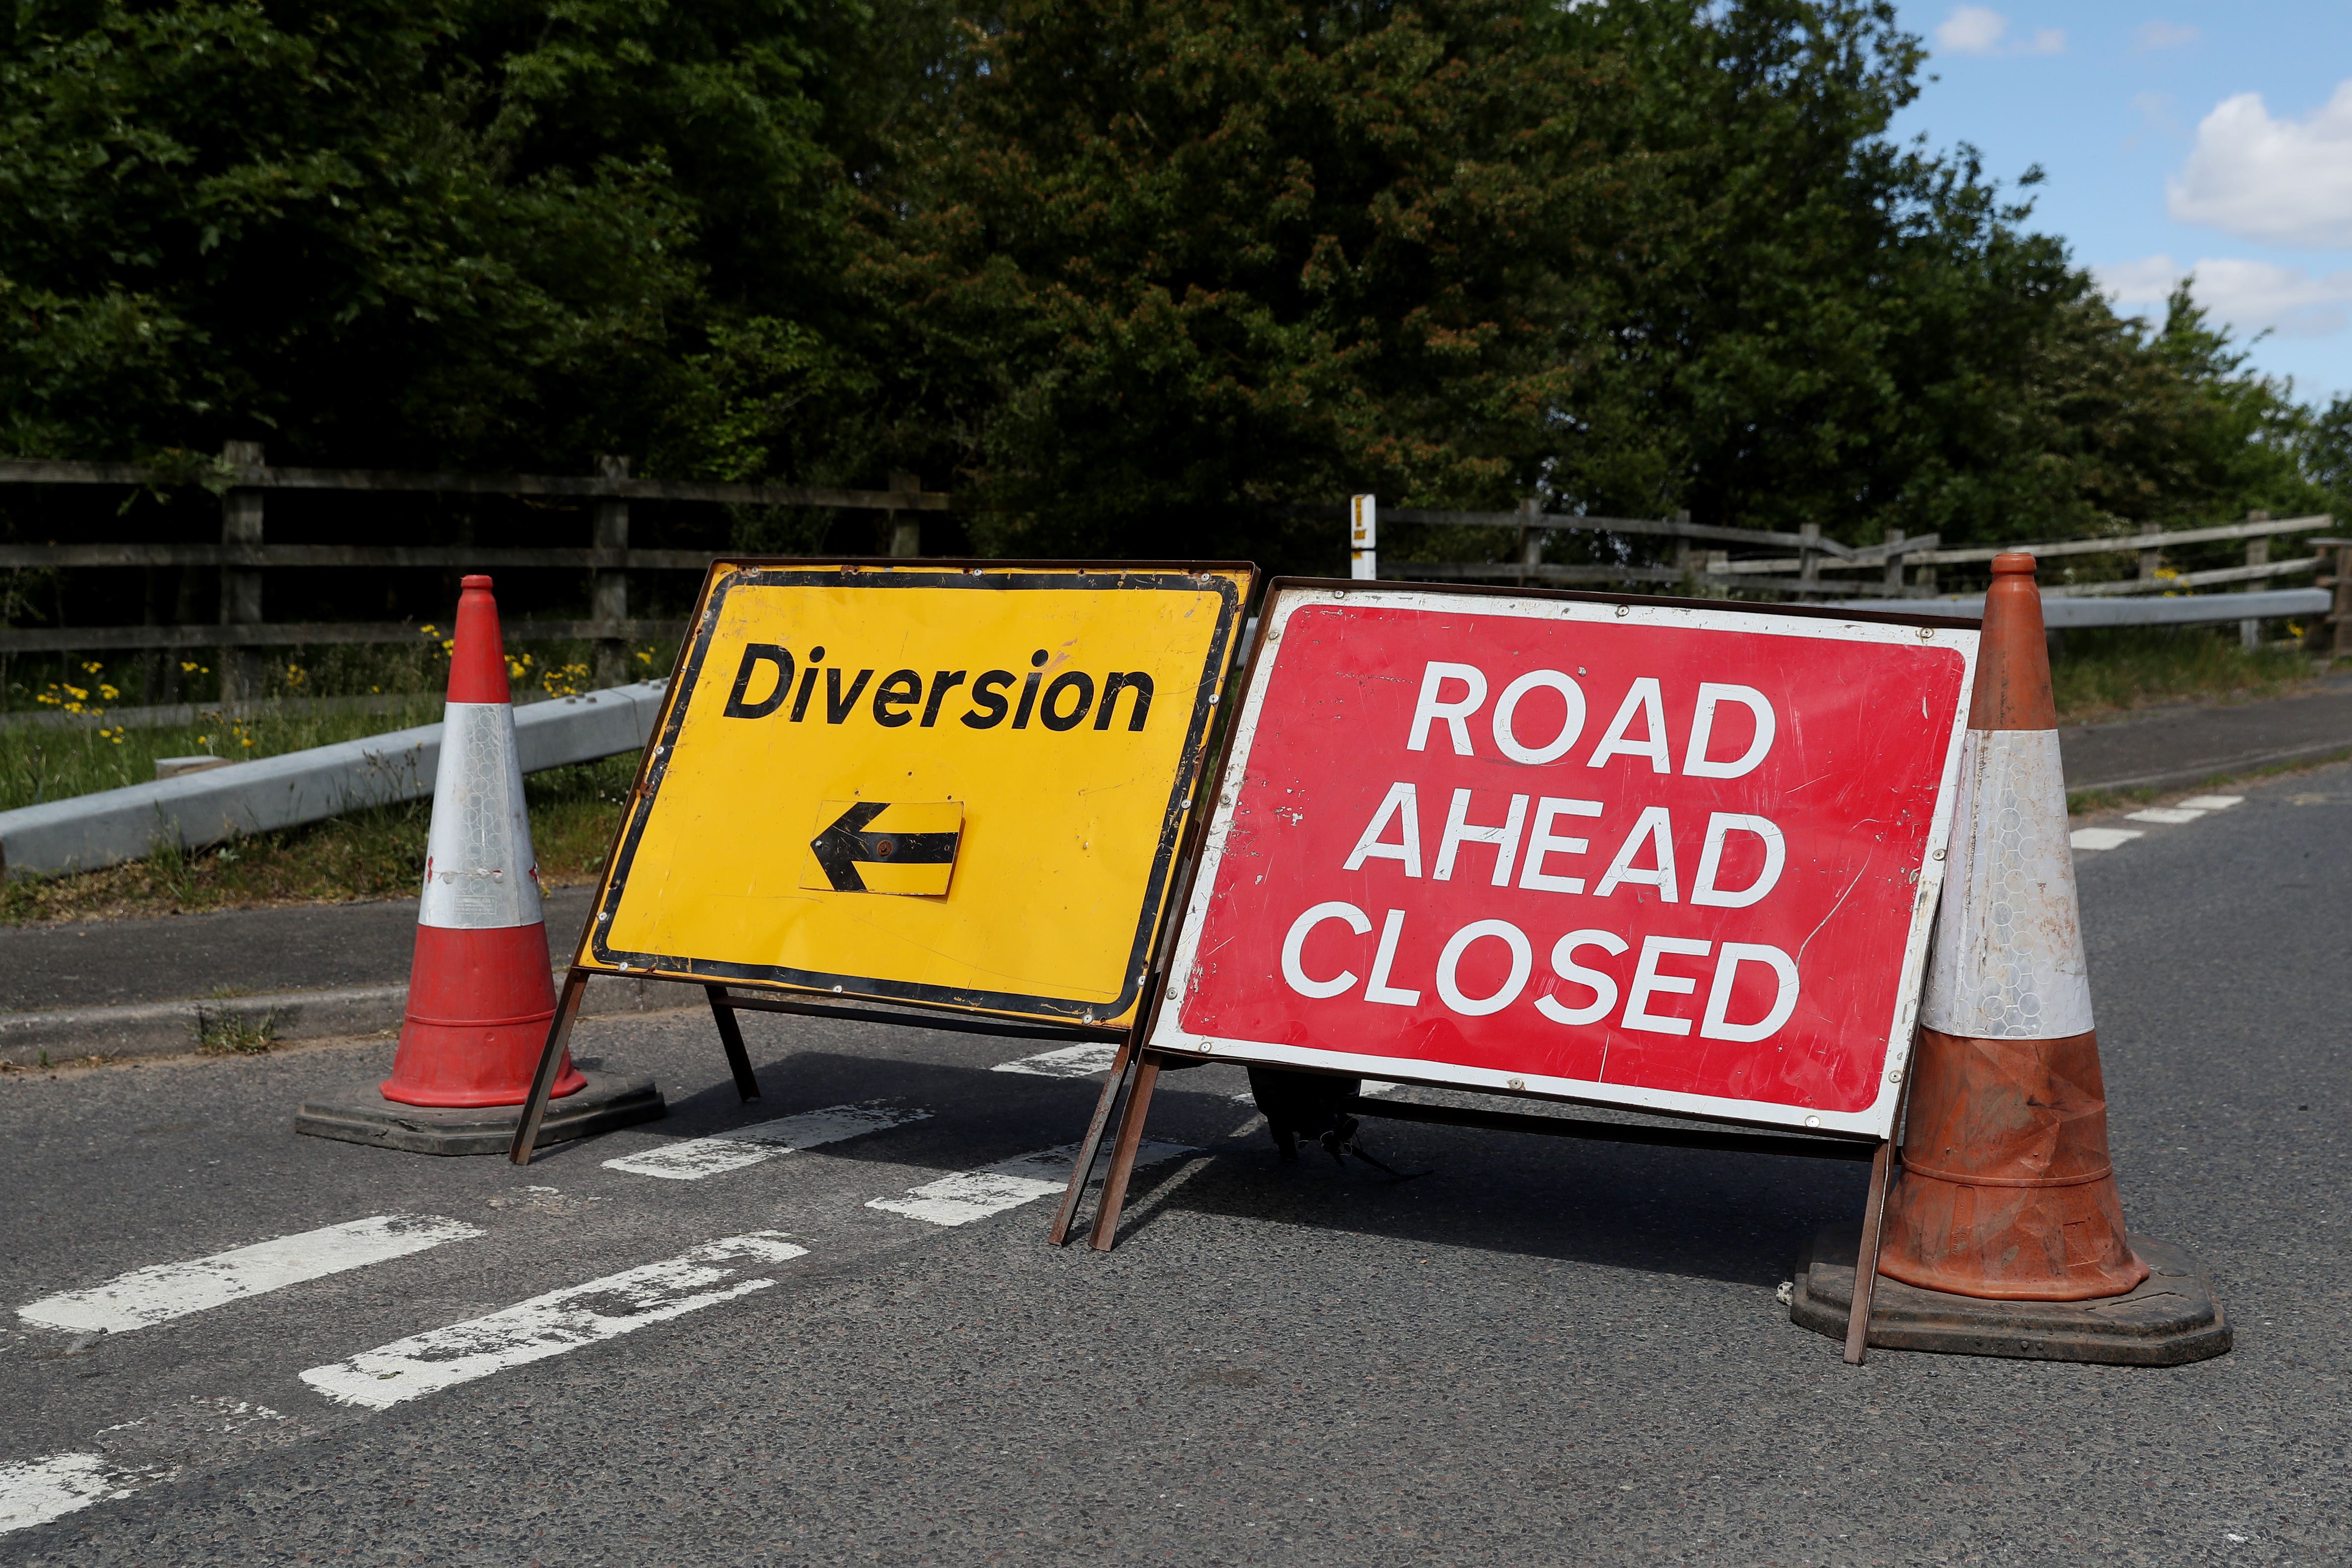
pixel 1895 563
pixel 1363 538
pixel 608 586
pixel 1808 558
pixel 2342 643
pixel 1688 557
pixel 2257 554
pixel 240 586
pixel 1531 539
pixel 2148 560
pixel 906 527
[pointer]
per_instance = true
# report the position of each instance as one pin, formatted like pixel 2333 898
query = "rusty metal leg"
pixel 730 1034
pixel 1122 1154
pixel 1083 1168
pixel 542 1082
pixel 1865 1256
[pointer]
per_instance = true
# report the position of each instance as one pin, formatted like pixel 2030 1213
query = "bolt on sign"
pixel 1675 858
pixel 952 784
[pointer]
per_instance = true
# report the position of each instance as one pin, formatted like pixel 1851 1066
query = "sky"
pixel 2178 136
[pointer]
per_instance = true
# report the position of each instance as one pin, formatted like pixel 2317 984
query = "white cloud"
pixel 1981 30
pixel 2285 181
pixel 2165 36
pixel 2249 296
pixel 1972 31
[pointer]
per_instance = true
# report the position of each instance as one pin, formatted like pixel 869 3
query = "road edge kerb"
pixel 176 1028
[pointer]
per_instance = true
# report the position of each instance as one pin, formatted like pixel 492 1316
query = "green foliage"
pixel 1170 263
pixel 1134 277
pixel 418 230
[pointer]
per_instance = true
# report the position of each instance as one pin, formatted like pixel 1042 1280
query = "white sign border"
pixel 1285 601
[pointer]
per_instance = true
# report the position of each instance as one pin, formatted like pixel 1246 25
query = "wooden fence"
pixel 243 554
pixel 1901 567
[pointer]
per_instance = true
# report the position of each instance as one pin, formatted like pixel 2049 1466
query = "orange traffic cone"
pixel 2007 1192
pixel 480 990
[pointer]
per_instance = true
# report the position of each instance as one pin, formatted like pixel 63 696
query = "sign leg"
pixel 1122 1066
pixel 730 1034
pixel 1122 1154
pixel 542 1082
pixel 1865 1256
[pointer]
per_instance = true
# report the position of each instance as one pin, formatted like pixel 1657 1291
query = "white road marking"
pixel 696 1158
pixel 1070 1061
pixel 35 1492
pixel 2167 816
pixel 2213 801
pixel 168 1290
pixel 969 1195
pixel 551 1324
pixel 1373 1087
pixel 2103 837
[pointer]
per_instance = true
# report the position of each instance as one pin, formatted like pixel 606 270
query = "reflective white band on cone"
pixel 480 871
pixel 2008 961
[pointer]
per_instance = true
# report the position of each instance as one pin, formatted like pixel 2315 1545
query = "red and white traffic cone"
pixel 2007 1192
pixel 479 992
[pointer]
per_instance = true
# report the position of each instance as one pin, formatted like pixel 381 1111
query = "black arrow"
pixel 840 847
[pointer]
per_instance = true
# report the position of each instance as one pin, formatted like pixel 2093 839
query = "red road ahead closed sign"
pixel 1658 856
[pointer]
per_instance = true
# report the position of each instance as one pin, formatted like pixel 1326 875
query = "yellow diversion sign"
pixel 959 784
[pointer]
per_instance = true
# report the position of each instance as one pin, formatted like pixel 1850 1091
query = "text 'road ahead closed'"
pixel 1674 855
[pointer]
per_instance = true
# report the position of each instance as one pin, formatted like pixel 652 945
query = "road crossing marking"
pixel 551 1324
pixel 697 1158
pixel 35 1492
pixel 1070 1061
pixel 2164 816
pixel 2174 816
pixel 969 1195
pixel 166 1291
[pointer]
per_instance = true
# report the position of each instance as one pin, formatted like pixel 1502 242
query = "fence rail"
pixel 1807 575
pixel 244 480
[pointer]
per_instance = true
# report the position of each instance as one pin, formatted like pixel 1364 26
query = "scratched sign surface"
pixel 1671 857
pixel 959 785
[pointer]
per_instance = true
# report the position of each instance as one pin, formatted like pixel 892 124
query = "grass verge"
pixel 375 853
pixel 2113 669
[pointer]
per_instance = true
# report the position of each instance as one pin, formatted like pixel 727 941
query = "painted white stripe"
pixel 1373 1087
pixel 2103 837
pixel 2214 802
pixel 35 1492
pixel 2167 816
pixel 551 1324
pixel 166 1291
pixel 969 1195
pixel 480 870
pixel 696 1158
pixel 1070 1061
pixel 2008 959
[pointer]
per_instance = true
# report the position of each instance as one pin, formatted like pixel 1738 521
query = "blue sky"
pixel 2178 136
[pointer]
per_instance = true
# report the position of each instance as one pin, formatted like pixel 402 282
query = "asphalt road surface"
pixel 1545 1351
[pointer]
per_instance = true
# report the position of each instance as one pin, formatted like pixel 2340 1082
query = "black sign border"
pixel 996 576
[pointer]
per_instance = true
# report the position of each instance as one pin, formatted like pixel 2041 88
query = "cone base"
pixel 2168 1319
pixel 361 1115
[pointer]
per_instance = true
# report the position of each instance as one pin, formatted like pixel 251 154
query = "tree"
pixel 1171 265
pixel 443 231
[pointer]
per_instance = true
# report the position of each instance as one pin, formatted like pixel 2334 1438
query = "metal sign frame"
pixel 1705 1125
pixel 734 987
